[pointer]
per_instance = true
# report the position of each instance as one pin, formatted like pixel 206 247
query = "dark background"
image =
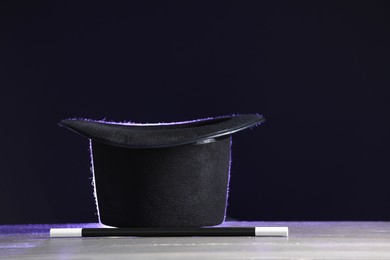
pixel 318 71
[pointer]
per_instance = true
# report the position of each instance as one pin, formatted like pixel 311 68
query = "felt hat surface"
pixel 164 174
pixel 133 135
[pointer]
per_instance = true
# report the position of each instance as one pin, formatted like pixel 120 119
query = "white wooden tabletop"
pixel 307 240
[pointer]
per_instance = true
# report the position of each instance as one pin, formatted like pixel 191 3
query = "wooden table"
pixel 307 240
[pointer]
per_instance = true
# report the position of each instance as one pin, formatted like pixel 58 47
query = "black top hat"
pixel 162 175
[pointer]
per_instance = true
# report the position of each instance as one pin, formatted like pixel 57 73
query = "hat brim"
pixel 133 135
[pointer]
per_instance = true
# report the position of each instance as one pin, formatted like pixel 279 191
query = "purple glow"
pixel 38 229
pixel 228 182
pixel 94 181
pixel 129 123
